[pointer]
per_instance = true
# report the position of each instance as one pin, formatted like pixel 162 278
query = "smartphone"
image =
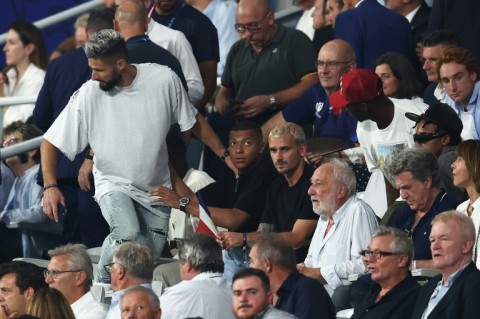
pixel 61 211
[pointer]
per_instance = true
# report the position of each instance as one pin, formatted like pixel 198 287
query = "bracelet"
pixel 89 157
pixel 225 155
pixel 49 186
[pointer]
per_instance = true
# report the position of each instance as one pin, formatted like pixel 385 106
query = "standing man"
pixel 70 271
pixel 454 293
pixel 117 108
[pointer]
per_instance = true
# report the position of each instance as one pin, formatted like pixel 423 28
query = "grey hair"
pixel 343 174
pixel 289 129
pixel 136 259
pixel 273 247
pixel 152 297
pixel 420 162
pixel 466 224
pixel 401 243
pixel 78 259
pixel 203 252
pixel 106 44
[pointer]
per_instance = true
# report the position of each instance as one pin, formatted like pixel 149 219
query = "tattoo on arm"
pixel 265 228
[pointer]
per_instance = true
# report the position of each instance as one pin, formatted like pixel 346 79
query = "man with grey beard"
pixel 345 226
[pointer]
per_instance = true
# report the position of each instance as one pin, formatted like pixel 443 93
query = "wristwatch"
pixel 273 102
pixel 184 201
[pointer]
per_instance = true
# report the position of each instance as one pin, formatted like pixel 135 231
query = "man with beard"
pixel 125 119
pixel 345 226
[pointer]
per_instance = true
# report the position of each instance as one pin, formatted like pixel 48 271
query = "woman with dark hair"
pixel 26 62
pixel 398 77
pixel 466 173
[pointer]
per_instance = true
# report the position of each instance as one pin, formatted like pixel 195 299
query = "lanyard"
pixel 174 15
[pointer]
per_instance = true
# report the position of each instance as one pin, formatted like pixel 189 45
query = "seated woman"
pixel 466 173
pixel 392 291
pixel 398 77
pixel 26 62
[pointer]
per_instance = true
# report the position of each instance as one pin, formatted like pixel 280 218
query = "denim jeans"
pixel 130 221
pixel 234 260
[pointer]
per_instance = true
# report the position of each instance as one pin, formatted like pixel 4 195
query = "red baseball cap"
pixel 356 86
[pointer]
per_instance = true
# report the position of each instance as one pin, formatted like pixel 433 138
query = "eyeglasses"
pixel 108 268
pixel 423 138
pixel 11 141
pixel 251 27
pixel 329 64
pixel 378 254
pixel 56 273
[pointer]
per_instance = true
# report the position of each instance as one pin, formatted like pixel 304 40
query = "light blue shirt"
pixel 441 290
pixel 223 16
pixel 7 181
pixel 472 108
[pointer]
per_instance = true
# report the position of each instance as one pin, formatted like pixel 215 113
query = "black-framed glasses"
pixel 329 64
pixel 56 273
pixel 423 138
pixel 251 27
pixel 108 268
pixel 378 254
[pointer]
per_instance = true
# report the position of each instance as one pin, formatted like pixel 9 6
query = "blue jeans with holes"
pixel 130 221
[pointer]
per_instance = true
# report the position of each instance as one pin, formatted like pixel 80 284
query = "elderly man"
pixel 132 265
pixel 203 292
pixel 252 296
pixel 459 73
pixel 334 59
pixel 417 178
pixel 19 280
pixel 393 290
pixel 140 302
pixel 345 226
pixel 70 271
pixel 292 292
pixel 438 129
pixel 454 293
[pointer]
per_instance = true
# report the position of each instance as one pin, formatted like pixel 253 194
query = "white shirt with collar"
pixel 88 308
pixel 337 253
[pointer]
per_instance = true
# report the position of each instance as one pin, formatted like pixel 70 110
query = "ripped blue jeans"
pixel 130 221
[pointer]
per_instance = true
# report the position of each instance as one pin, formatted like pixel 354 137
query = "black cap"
pixel 441 114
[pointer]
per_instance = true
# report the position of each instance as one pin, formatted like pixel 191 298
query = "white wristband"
pixel 414 264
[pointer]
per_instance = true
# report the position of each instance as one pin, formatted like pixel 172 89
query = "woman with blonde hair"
pixel 49 303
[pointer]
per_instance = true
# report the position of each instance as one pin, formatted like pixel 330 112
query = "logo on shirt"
pixel 275 50
pixel 319 107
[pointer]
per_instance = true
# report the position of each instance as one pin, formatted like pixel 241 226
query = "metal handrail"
pixel 61 16
pixel 21 147
pixel 15 100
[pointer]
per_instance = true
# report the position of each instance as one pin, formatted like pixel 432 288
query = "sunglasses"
pixel 423 138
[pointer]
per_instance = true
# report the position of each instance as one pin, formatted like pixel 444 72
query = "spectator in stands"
pixel 323 26
pixel 84 222
pixel 466 174
pixel 383 131
pixel 26 62
pixel 288 209
pixel 221 13
pixel 458 70
pixel 259 90
pixel 24 200
pixel 292 292
pixel 373 30
pixel 200 33
pixel 393 290
pixel 70 271
pixel 6 182
pixel 75 41
pixel 335 7
pixel 140 302
pixel 132 265
pixel 203 292
pixel 453 293
pixel 334 59
pixel 433 46
pixel 305 22
pixel 438 129
pixel 346 225
pixel 50 303
pixel 398 77
pixel 417 178
pixel 19 281
pixel 252 296
pixel 234 203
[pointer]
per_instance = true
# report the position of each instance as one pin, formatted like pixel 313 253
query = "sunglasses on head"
pixel 423 138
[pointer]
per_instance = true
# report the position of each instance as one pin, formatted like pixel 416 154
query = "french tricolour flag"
pixel 205 225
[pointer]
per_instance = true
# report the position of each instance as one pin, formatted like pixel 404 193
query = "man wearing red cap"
pixel 383 130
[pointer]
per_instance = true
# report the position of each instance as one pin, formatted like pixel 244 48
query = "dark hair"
pixel 444 37
pixel 403 70
pixel 29 33
pixel 252 272
pixel 100 19
pixel 28 131
pixel 470 152
pixel 247 125
pixel 27 275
